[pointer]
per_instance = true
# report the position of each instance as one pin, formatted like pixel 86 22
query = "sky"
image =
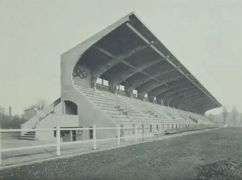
pixel 204 35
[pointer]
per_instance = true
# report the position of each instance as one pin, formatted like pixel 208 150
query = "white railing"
pixel 58 143
pixel 58 130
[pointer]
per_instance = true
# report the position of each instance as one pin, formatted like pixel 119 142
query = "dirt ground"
pixel 214 155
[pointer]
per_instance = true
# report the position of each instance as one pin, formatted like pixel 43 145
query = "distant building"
pixel 29 113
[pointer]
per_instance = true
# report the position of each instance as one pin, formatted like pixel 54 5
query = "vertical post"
pixel 94 137
pixel 118 134
pixel 71 135
pixel 58 140
pixel 136 133
pixel 0 146
pixel 143 131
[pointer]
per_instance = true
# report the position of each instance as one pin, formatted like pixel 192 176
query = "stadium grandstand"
pixel 123 76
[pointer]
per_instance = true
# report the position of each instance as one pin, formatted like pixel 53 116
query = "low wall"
pixel 52 121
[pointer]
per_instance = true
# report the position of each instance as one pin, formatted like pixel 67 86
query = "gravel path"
pixel 176 158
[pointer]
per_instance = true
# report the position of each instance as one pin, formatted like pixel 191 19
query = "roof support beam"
pixel 151 95
pixel 190 101
pixel 178 92
pixel 182 97
pixel 112 84
pixel 191 98
pixel 158 51
pixel 155 92
pixel 138 82
pixel 147 87
pixel 201 105
pixel 195 103
pixel 187 95
pixel 182 92
pixel 165 94
pixel 124 75
pixel 103 67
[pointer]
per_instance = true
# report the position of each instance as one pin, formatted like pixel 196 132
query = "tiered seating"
pixel 118 107
pixel 108 104
pixel 163 114
pixel 125 107
pixel 129 111
pixel 170 115
pixel 147 112
pixel 177 115
pixel 202 119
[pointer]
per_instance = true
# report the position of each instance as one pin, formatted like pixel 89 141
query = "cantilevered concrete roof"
pixel 132 56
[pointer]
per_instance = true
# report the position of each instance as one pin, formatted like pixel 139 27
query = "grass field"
pixel 214 154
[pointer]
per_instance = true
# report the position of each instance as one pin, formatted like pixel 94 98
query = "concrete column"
pixel 71 135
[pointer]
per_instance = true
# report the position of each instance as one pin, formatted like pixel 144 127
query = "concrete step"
pixel 26 138
pixel 30 133
pixel 30 136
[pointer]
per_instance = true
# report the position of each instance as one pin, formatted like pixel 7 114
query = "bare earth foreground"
pixel 213 155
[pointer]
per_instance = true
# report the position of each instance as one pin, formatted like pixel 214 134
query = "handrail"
pixel 34 120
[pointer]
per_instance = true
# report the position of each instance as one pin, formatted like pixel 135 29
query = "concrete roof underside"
pixel 132 56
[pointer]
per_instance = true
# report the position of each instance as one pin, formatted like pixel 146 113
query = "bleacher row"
pixel 127 111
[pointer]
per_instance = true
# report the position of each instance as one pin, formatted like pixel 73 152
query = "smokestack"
pixel 10 111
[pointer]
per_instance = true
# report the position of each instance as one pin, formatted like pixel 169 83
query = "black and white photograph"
pixel 120 90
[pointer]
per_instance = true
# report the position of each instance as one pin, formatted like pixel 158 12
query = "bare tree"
pixel 234 115
pixel 39 105
pixel 225 114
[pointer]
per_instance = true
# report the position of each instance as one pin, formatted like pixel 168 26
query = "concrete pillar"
pixel 71 136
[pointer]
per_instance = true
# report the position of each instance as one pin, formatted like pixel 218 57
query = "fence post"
pixel 0 146
pixel 58 140
pixel 71 135
pixel 143 131
pixel 94 137
pixel 136 133
pixel 118 134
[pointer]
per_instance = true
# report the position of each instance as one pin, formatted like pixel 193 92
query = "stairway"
pixel 30 135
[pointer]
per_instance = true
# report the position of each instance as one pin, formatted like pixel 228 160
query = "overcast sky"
pixel 204 35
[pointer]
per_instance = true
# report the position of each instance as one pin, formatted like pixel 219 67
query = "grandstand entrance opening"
pixel 70 107
pixel 74 135
pixel 90 133
pixel 67 135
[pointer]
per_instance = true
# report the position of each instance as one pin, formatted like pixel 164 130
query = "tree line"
pixel 233 117
pixel 14 122
pixel 11 122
